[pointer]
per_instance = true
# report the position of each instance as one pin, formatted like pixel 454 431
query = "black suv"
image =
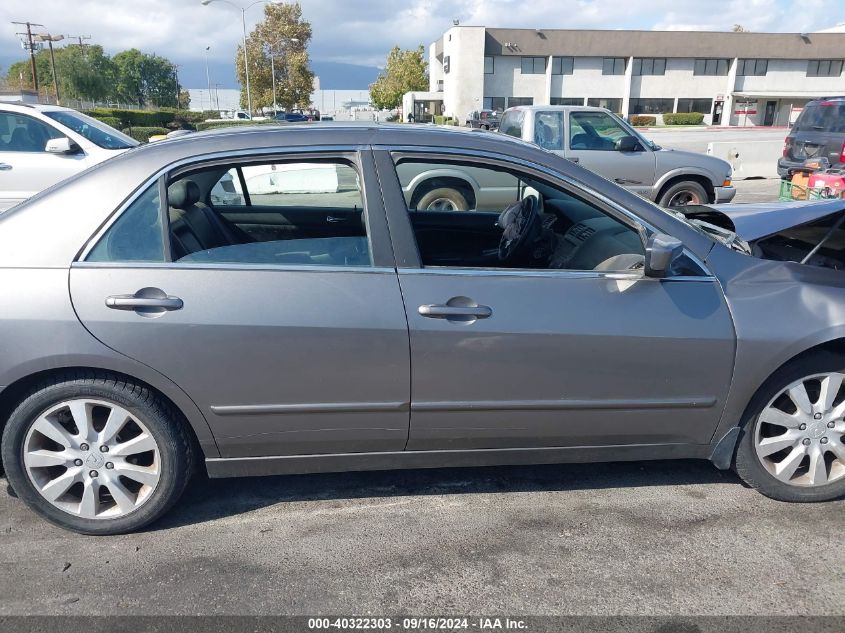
pixel 819 132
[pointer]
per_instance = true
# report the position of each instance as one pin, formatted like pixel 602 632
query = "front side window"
pixel 533 65
pixel 21 133
pixel 464 223
pixel 594 131
pixel 613 66
pixel 548 130
pixel 136 235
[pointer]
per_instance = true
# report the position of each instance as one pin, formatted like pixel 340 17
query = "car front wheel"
pixel 682 194
pixel 96 454
pixel 791 446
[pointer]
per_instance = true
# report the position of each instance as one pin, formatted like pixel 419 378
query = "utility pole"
pixel 31 48
pixel 49 38
pixel 79 38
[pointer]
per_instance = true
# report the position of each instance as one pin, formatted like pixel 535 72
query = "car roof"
pixel 558 108
pixel 30 107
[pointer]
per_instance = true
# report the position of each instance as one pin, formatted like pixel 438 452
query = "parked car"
pixel 41 145
pixel 819 132
pixel 290 117
pixel 602 142
pixel 154 330
pixel 483 120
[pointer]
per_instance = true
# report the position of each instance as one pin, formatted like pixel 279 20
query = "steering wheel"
pixel 520 222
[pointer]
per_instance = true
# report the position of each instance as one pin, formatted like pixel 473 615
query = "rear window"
pixel 822 118
pixel 512 123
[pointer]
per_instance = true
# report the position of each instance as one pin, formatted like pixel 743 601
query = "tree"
pixel 87 74
pixel 405 71
pixel 738 28
pixel 145 79
pixel 284 33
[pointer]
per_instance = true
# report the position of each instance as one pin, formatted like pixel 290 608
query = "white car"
pixel 41 145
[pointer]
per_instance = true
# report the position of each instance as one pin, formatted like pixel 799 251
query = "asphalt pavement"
pixel 627 538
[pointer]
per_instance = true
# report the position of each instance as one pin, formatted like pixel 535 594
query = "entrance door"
pixel 717 112
pixel 769 115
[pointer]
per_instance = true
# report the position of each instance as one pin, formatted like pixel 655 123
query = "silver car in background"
pixel 315 316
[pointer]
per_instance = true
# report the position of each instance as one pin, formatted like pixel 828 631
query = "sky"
pixel 351 38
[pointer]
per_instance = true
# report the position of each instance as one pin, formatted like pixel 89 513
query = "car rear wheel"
pixel 97 454
pixel 682 194
pixel 443 199
pixel 791 446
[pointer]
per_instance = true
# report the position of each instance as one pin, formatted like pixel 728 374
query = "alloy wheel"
pixel 92 459
pixel 442 204
pixel 683 198
pixel 799 435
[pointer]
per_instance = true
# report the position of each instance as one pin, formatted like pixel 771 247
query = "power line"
pixel 31 49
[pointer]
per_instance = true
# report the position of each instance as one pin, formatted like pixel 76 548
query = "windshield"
pixel 824 117
pixel 95 131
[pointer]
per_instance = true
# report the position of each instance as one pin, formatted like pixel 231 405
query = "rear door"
pixel 289 343
pixel 591 137
pixel 25 167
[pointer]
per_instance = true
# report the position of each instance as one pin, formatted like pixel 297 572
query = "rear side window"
pixel 512 123
pixel 136 235
pixel 548 130
pixel 822 118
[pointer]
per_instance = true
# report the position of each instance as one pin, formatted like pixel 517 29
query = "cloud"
pixel 363 31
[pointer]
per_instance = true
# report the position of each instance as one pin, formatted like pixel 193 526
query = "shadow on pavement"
pixel 210 499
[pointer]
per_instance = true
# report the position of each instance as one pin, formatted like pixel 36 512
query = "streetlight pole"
pixel 243 11
pixel 208 79
pixel 50 39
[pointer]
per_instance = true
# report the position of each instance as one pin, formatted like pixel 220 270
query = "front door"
pixel 25 167
pixel 592 140
pixel 564 347
pixel 286 327
pixel 769 114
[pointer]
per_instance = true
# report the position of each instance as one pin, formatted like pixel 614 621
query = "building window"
pixel 711 67
pixel 752 67
pixel 520 101
pixel 613 66
pixel 824 68
pixel 649 66
pixel 446 64
pixel 566 101
pixel 497 104
pixel 489 65
pixel 651 106
pixel 533 65
pixel 695 105
pixel 563 65
pixel 614 105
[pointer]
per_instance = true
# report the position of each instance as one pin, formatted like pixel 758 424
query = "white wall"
pixel 463 86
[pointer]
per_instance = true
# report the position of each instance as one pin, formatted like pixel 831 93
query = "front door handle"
pixel 5 167
pixel 440 311
pixel 575 159
pixel 333 219
pixel 147 301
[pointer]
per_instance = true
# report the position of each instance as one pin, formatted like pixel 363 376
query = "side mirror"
pixel 661 251
pixel 627 144
pixel 61 145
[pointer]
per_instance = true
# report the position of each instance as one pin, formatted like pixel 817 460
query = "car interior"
pixel 269 214
pixel 546 228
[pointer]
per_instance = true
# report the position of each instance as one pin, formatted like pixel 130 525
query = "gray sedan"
pixel 315 319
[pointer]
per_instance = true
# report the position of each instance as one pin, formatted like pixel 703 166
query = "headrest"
pixel 183 194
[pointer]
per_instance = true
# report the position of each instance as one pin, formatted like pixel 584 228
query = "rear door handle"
pixel 333 219
pixel 5 167
pixel 440 311
pixel 130 302
pixel 150 301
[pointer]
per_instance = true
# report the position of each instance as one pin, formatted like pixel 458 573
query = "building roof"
pixel 595 43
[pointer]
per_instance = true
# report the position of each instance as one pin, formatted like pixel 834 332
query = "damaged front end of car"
pixel 811 233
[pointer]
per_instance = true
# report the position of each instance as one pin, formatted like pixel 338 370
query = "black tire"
pixel 684 189
pixel 746 463
pixel 452 196
pixel 167 427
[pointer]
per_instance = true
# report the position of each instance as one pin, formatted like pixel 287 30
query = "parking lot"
pixel 626 538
